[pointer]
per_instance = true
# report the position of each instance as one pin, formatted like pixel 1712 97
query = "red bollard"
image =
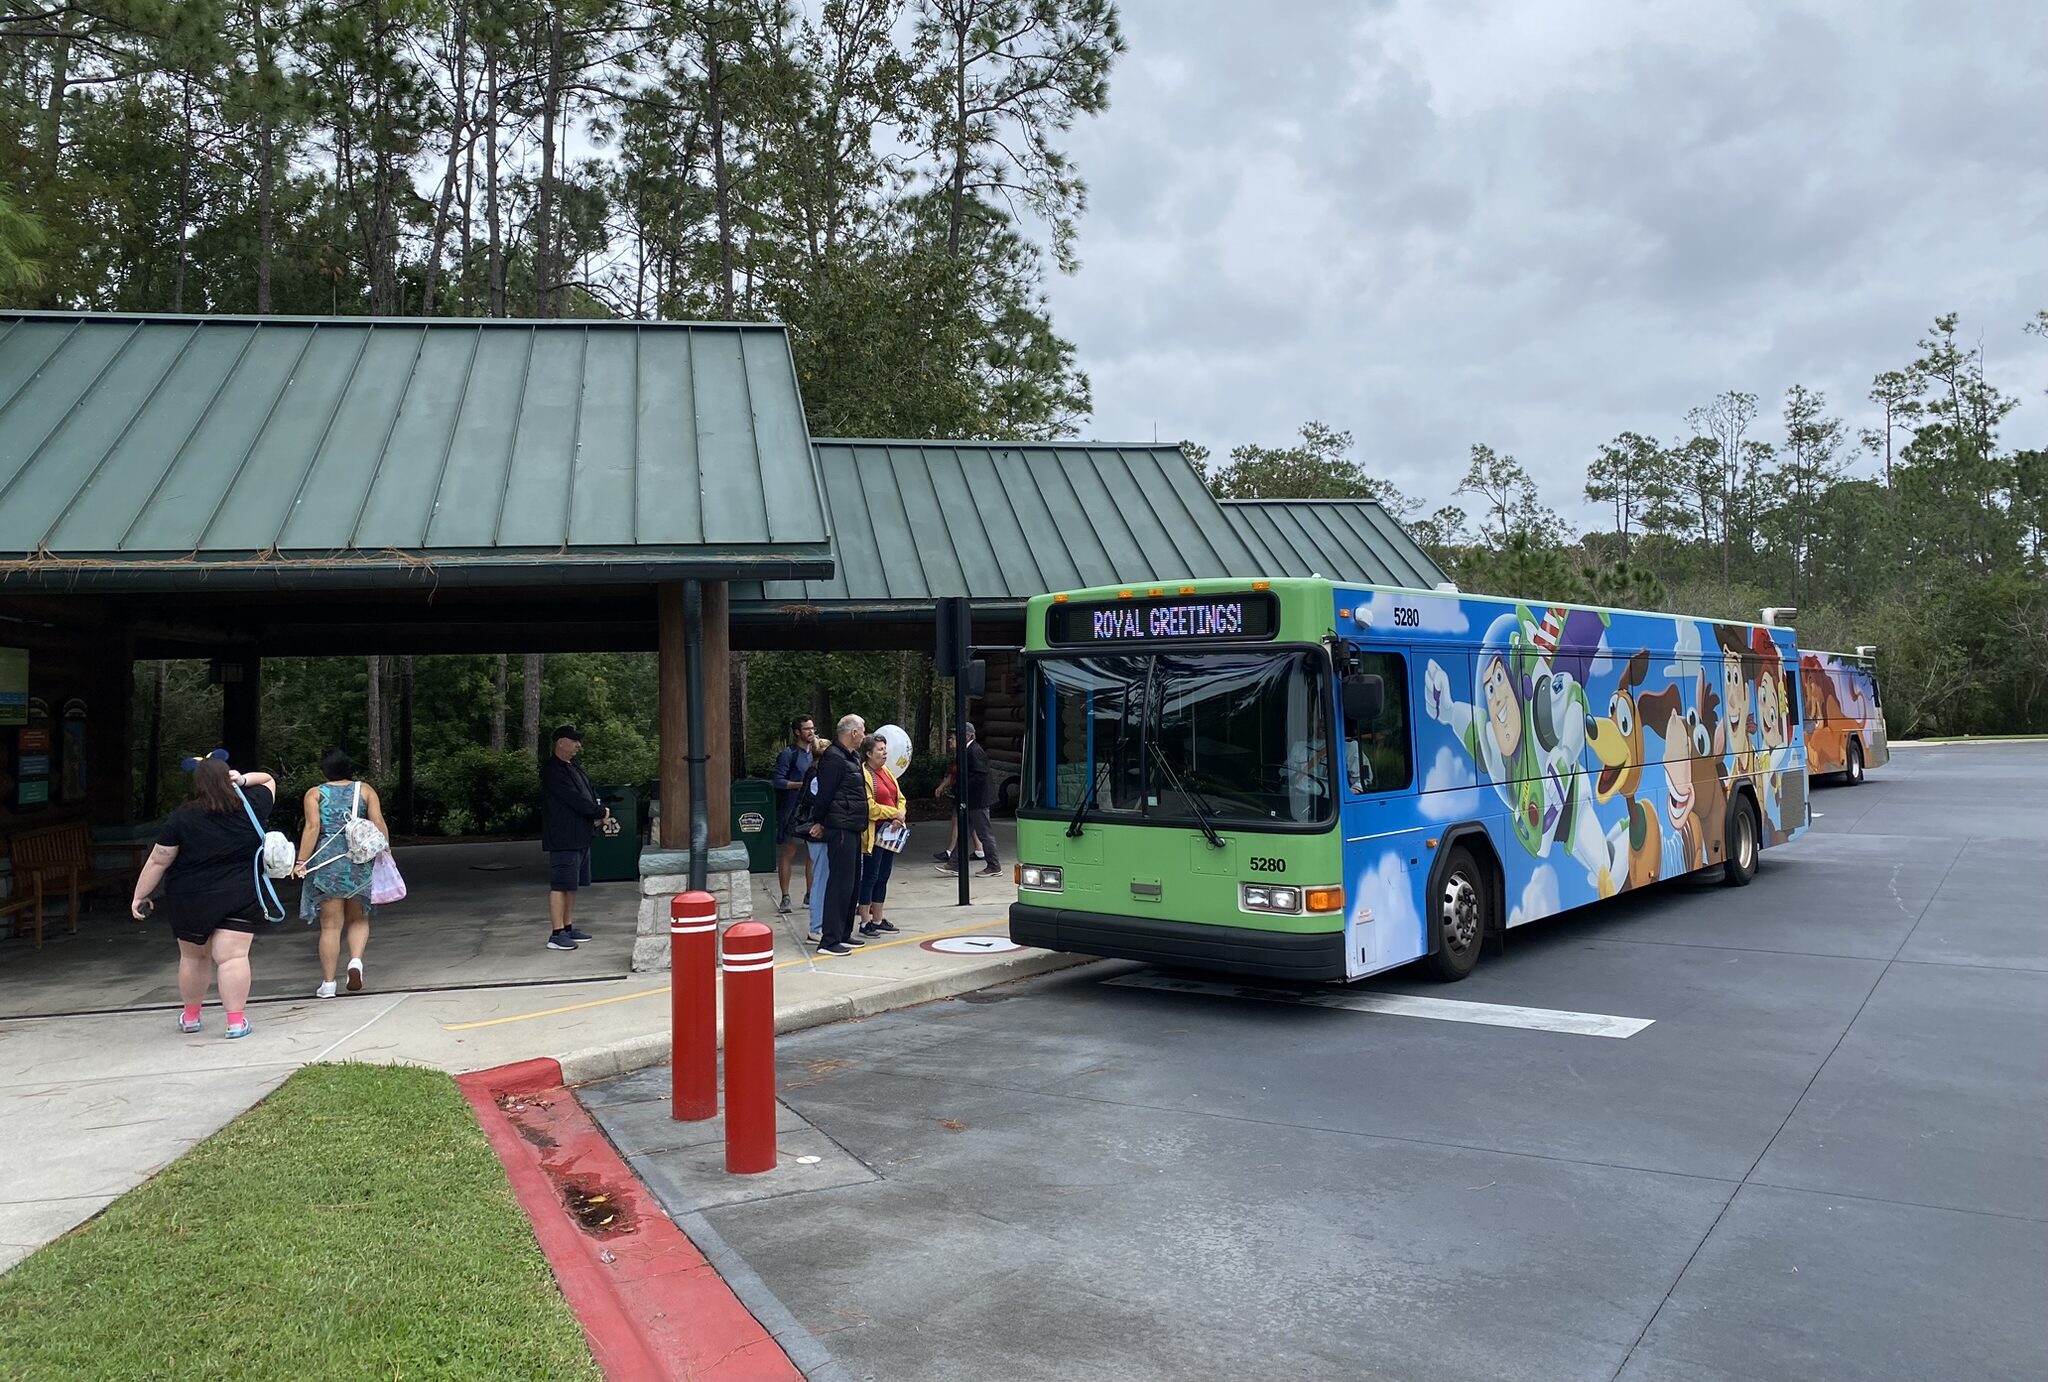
pixel 693 1004
pixel 749 965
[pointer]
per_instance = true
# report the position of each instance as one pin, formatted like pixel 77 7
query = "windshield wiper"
pixel 1081 811
pixel 1193 799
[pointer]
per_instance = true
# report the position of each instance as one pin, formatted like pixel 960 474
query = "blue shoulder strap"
pixel 266 895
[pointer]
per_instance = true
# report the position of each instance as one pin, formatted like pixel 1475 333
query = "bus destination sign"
pixel 1224 618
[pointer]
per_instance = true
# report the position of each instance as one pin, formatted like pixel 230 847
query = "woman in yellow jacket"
pixel 885 805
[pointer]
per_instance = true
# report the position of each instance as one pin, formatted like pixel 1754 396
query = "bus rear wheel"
pixel 1854 772
pixel 1459 920
pixel 1740 865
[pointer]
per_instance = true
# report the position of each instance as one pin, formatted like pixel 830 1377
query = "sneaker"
pixel 577 933
pixel 237 1029
pixel 869 928
pixel 817 935
pixel 783 906
pixel 834 950
pixel 326 990
pixel 944 856
pixel 886 925
pixel 187 1027
pixel 855 940
pixel 992 871
pixel 977 854
pixel 355 976
pixel 949 869
pixel 561 940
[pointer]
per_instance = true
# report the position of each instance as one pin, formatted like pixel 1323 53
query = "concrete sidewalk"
pixel 90 1107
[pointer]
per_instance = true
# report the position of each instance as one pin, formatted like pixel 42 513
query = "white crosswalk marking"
pixel 1405 1005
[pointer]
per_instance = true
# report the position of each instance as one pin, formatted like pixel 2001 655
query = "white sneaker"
pixel 326 990
pixel 355 976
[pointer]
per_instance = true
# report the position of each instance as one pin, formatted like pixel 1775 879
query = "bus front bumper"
pixel 1312 958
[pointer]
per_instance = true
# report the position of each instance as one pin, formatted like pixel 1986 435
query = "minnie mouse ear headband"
pixel 191 765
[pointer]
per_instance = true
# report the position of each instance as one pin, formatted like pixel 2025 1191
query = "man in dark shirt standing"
pixel 980 796
pixel 569 811
pixel 839 818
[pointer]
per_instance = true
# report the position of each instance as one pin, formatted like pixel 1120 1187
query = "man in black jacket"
pixel 839 817
pixel 569 811
pixel 980 796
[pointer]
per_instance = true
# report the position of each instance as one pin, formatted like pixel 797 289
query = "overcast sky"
pixel 1435 222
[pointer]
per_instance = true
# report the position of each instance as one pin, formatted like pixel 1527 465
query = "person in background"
pixel 839 820
pixel 792 766
pixel 885 804
pixel 981 795
pixel 206 858
pixel 942 791
pixel 569 813
pixel 337 889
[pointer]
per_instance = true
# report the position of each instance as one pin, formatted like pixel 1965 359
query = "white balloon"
pixel 899 749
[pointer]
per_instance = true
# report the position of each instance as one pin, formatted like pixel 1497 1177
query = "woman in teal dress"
pixel 337 889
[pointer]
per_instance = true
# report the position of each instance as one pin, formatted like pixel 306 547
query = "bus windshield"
pixel 1170 737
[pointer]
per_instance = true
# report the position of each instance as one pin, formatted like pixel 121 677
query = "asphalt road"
pixel 1823 1159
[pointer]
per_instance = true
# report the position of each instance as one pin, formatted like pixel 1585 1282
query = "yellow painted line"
pixel 656 993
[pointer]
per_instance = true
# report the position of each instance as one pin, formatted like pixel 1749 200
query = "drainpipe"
pixel 693 683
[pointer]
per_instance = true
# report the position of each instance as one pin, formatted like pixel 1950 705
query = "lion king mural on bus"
pixel 1844 715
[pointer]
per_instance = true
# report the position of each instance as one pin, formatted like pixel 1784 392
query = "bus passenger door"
pixel 1384 863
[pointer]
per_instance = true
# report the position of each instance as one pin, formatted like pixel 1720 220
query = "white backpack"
pixel 364 840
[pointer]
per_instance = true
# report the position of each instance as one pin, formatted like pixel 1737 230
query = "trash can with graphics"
pixel 616 858
pixel 753 822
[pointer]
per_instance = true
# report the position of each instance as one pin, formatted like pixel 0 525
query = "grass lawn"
pixel 354 1224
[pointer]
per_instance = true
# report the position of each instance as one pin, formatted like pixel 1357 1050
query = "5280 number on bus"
pixel 1261 863
pixel 1407 617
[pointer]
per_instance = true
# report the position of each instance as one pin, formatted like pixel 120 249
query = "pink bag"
pixel 385 883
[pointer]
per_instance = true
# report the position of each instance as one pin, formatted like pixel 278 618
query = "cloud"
pixel 1386 898
pixel 1540 897
pixel 1438 222
pixel 1688 650
pixel 1450 790
pixel 1441 615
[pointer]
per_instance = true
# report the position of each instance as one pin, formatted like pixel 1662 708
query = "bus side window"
pixel 1793 698
pixel 1377 754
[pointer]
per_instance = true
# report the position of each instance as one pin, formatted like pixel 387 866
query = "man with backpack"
pixel 569 813
pixel 792 767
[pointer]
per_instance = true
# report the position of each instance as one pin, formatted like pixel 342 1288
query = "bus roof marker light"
pixel 1262 585
pixel 1124 594
pixel 1059 599
pixel 1156 590
pixel 1187 590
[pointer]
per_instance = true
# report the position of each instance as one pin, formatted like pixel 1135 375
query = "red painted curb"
pixel 652 1308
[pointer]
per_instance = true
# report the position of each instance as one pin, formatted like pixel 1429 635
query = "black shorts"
pixel 199 932
pixel 568 870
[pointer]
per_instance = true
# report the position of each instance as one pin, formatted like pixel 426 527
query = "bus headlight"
pixel 1268 897
pixel 1045 880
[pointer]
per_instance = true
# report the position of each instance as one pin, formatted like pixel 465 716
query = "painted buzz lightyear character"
pixel 1528 729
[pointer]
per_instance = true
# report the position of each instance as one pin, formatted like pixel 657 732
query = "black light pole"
pixel 963 850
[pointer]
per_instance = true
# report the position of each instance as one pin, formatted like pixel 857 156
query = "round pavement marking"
pixel 970 945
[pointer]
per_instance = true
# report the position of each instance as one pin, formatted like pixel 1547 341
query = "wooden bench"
pixel 28 893
pixel 59 859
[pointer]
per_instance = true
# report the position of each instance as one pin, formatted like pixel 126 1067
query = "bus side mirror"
pixel 1364 697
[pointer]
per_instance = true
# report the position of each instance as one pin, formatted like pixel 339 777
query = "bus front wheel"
pixel 1854 772
pixel 1740 865
pixel 1459 923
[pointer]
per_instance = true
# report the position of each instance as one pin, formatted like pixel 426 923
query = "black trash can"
pixel 616 858
pixel 753 822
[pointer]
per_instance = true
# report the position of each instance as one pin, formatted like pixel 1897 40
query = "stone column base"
pixel 666 872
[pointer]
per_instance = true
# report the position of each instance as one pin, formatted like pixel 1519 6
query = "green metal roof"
pixel 1000 522
pixel 1353 541
pixel 155 451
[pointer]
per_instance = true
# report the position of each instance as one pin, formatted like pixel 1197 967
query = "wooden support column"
pixel 672 667
pixel 241 708
pixel 673 719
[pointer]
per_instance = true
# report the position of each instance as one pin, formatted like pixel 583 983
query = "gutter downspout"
pixel 693 683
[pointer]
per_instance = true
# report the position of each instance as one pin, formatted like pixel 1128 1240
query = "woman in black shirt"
pixel 207 860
